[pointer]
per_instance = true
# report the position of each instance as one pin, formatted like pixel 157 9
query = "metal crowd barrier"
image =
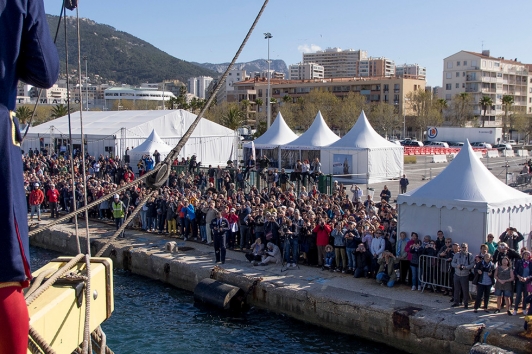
pixel 435 271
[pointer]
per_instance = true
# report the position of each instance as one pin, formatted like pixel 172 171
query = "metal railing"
pixel 435 271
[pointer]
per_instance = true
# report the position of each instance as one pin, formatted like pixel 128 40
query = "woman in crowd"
pixel 485 271
pixel 504 277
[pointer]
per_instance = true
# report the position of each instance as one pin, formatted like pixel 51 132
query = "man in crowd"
pixel 403 184
pixel 462 263
pixel 53 198
pixel 119 211
pixel 36 199
pixel 219 226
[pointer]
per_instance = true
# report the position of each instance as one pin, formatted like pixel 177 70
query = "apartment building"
pixel 336 62
pixel 197 86
pixel 410 70
pixel 375 67
pixel 480 74
pixel 306 71
pixel 390 90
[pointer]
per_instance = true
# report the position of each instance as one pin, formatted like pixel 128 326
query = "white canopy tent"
pixel 152 143
pixel 268 143
pixel 362 156
pixel 466 202
pixel 111 132
pixel 309 144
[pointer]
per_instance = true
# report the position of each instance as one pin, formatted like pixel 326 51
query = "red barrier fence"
pixel 430 150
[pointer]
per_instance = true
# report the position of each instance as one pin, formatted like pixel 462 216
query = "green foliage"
pixel 23 114
pixel 58 111
pixel 233 117
pixel 485 102
pixel 119 56
pixel 460 110
pixel 425 108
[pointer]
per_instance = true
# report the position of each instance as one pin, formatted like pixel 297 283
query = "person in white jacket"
pixel 377 248
pixel 272 255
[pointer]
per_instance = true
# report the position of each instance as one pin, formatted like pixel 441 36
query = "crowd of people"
pixel 350 234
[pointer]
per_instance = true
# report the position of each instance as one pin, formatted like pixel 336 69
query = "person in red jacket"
pixel 53 197
pixel 129 176
pixel 323 231
pixel 36 199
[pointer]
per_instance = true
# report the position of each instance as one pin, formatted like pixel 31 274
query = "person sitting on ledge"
pixel 257 250
pixel 386 274
pixel 329 258
pixel 272 255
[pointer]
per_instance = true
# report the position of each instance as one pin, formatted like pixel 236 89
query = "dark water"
pixel 151 317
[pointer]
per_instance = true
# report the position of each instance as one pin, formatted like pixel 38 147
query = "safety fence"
pixel 435 271
pixel 430 150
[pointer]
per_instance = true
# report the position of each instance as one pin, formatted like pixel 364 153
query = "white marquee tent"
pixel 362 156
pixel 152 143
pixel 466 202
pixel 268 143
pixel 110 132
pixel 309 144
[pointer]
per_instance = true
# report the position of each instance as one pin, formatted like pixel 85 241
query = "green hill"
pixel 119 56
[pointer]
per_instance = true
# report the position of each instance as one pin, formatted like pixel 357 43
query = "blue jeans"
pixel 360 272
pixel 150 223
pixel 143 219
pixel 520 293
pixel 203 232
pixel 350 258
pixel 415 275
pixel 382 276
pixel 294 245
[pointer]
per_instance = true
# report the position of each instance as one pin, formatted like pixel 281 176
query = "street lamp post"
pixel 267 36
pixel 86 83
pixel 404 118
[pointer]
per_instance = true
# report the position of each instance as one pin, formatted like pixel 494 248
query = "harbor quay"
pixel 412 321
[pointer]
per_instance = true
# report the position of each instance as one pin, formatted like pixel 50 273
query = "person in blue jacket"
pixel 27 53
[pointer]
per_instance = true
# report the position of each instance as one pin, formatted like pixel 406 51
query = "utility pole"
pixel 86 82
pixel 267 36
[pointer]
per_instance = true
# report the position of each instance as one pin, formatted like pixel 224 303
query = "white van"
pixel 439 144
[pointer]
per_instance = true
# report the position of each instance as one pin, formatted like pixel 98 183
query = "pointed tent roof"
pixel 317 135
pixel 466 184
pixel 152 143
pixel 278 134
pixel 362 136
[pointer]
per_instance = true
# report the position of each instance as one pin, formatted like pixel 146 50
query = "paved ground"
pixel 422 171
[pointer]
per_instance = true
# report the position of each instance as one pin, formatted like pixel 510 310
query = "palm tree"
pixel 287 99
pixel 507 102
pixel 59 111
pixel 233 118
pixel 23 113
pixel 485 102
pixel 259 103
pixel 442 103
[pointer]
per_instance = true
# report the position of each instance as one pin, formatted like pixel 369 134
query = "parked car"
pixel 511 142
pixel 481 145
pixel 455 144
pixel 415 143
pixel 439 144
pixel 503 146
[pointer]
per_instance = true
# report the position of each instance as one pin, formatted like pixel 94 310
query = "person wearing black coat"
pixel 363 260
pixel 504 251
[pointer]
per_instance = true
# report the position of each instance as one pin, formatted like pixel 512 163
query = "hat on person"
pixel 232 210
pixel 36 185
pixel 116 196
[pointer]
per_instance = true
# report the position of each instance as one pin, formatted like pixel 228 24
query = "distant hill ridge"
pixel 250 67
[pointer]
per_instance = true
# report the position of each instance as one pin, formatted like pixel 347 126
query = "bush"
pixel 410 159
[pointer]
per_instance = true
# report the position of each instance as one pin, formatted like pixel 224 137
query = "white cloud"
pixel 305 48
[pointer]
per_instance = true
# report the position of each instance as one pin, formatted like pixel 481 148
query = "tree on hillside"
pixel 461 109
pixel 485 102
pixel 349 111
pixel 23 114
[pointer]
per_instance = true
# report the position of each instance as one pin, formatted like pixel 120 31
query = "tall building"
pixel 480 74
pixel 375 67
pixel 336 62
pixel 306 71
pixel 197 86
pixel 410 70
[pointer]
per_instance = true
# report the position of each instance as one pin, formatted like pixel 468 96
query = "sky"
pixel 406 31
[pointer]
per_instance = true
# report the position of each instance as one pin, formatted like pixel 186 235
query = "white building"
pixel 336 62
pixel 306 71
pixel 375 67
pixel 198 86
pixel 410 70
pixel 54 95
pixel 234 75
pixel 480 74
pixel 135 94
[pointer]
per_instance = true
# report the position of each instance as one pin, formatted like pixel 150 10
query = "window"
pixel 448 96
pixel 497 64
pixel 458 63
pixel 448 75
pixel 457 85
pixel 448 86
pixel 449 65
pixel 465 62
pixel 463 85
pixel 457 74
pixel 463 73
pixel 474 63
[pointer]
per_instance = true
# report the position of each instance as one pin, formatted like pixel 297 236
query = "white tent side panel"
pixel 518 217
pixel 461 225
pixel 346 165
pixel 384 164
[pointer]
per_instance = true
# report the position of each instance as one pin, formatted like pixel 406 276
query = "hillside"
pixel 119 56
pixel 252 66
